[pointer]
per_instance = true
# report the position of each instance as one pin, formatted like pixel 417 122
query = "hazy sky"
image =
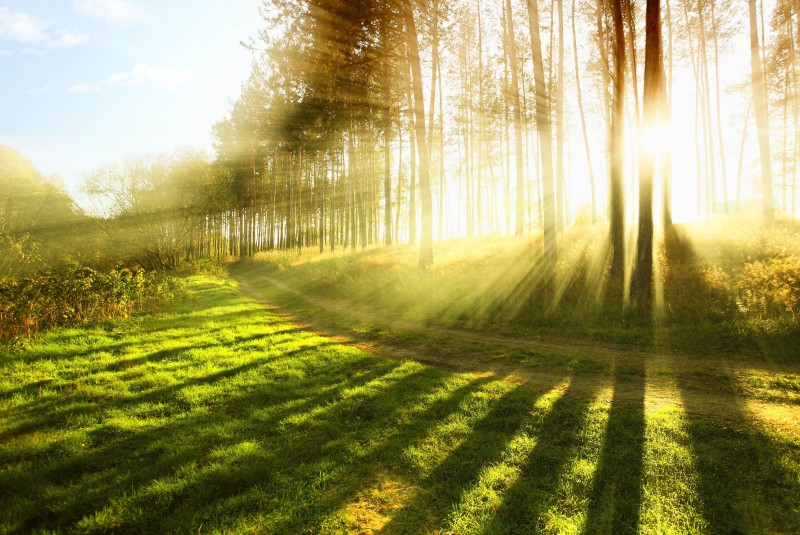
pixel 87 83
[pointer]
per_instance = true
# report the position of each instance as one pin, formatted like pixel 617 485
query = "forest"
pixel 451 266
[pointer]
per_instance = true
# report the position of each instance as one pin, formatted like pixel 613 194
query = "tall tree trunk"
pixel 583 117
pixel 545 141
pixel 560 184
pixel 515 96
pixel 387 126
pixel 642 283
pixel 617 157
pixel 426 238
pixel 666 115
pixel 434 71
pixel 708 129
pixel 762 120
pixel 720 139
pixel 506 129
pixel 412 184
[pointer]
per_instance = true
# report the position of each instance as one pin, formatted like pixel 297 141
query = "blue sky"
pixel 87 83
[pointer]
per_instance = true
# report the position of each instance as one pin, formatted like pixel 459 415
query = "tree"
pixel 762 120
pixel 544 130
pixel 617 157
pixel 642 282
pixel 426 237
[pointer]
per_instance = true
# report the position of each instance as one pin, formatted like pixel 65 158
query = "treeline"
pixel 60 266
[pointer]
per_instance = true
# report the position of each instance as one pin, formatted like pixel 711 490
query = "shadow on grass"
pixel 616 497
pixel 485 445
pixel 743 480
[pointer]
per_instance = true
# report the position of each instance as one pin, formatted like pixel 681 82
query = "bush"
pixel 78 294
pixel 769 289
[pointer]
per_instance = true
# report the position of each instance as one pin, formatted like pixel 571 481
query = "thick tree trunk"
pixel 642 283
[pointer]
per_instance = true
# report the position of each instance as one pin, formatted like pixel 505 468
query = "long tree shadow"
pixel 387 439
pixel 485 445
pixel 557 436
pixel 743 483
pixel 152 453
pixel 616 496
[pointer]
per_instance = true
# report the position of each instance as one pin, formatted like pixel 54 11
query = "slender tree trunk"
pixel 708 128
pixel 434 72
pixel 666 114
pixel 506 129
pixel 720 139
pixel 561 213
pixel 426 239
pixel 545 141
pixel 481 133
pixel 617 157
pixel 387 127
pixel 583 117
pixel 412 184
pixel 741 156
pixel 762 121
pixel 515 95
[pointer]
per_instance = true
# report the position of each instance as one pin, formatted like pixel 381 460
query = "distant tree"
pixel 758 83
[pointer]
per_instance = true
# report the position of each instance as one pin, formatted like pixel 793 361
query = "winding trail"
pixel 712 386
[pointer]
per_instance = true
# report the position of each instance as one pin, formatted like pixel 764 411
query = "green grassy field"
pixel 221 415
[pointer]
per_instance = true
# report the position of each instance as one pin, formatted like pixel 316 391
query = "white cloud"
pixel 85 87
pixel 67 39
pixel 140 75
pixel 22 27
pixel 26 29
pixel 5 53
pixel 39 91
pixel 111 11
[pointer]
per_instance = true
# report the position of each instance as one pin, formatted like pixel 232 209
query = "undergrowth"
pixel 77 294
pixel 721 285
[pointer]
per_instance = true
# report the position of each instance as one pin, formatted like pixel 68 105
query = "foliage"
pixel 77 294
pixel 769 289
pixel 17 254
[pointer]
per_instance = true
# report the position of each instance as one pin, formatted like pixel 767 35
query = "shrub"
pixel 78 294
pixel 769 289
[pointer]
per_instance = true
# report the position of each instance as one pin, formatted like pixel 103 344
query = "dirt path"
pixel 663 374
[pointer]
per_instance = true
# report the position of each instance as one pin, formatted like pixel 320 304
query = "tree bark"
pixel 426 237
pixel 544 130
pixel 642 283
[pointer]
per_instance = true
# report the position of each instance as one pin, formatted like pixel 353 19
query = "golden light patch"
pixel 374 507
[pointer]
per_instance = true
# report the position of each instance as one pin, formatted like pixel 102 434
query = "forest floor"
pixel 257 407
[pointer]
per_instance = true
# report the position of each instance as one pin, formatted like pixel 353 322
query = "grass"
pixel 731 286
pixel 220 415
